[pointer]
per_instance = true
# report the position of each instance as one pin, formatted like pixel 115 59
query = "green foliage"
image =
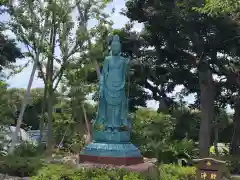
pixel 151 131
pixel 233 163
pixel 153 134
pixel 54 172
pixel 69 127
pixel 76 143
pixel 3 141
pixel 33 110
pixel 185 43
pixel 184 150
pixel 26 149
pixel 175 172
pixel 5 108
pixel 234 166
pixel 218 7
pixel 187 123
pixel 19 166
pixel 9 51
pixel 3 2
pixel 62 119
pixel 11 101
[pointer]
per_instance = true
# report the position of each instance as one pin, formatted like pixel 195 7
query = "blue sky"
pixel 21 80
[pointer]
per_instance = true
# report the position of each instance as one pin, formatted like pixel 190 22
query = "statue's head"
pixel 115 45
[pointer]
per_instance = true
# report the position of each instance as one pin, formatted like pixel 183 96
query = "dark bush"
pixel 153 133
pixel 19 166
pixel 234 166
pixel 27 149
pixel 61 172
pixel 175 172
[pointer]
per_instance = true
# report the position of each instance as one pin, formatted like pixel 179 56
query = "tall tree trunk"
pixel 88 126
pixel 207 108
pixel 50 82
pixel 235 144
pixel 23 107
pixel 43 109
pixel 162 107
pixel 50 107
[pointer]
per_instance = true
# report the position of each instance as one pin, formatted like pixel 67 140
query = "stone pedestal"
pixel 111 153
pixel 112 148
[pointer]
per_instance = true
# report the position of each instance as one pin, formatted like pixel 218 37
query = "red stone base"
pixel 126 161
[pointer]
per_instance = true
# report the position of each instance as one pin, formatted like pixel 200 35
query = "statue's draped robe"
pixel 112 112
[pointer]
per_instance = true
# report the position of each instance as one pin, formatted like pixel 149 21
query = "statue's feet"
pixel 115 130
pixel 112 129
pixel 109 129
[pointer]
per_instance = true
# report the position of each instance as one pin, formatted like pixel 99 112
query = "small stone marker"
pixel 211 169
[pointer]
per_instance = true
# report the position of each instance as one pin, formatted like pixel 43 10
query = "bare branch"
pixel 63 66
pixel 59 76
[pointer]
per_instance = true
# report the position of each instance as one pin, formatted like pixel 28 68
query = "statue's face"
pixel 116 48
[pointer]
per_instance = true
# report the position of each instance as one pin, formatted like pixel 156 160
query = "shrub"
pixel 183 150
pixel 153 133
pixel 232 162
pixel 19 166
pixel 53 172
pixel 175 172
pixel 26 149
pixel 234 166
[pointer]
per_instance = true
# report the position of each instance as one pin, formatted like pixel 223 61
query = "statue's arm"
pixel 125 72
pixel 127 66
pixel 127 62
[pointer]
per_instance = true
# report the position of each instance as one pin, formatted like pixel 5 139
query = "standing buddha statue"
pixel 111 128
pixel 112 111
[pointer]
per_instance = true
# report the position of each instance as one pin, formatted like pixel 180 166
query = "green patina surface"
pixel 111 128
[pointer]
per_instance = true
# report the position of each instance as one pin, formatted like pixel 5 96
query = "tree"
pixel 218 7
pixel 6 113
pixel 32 114
pixel 11 103
pixel 187 123
pixel 171 57
pixel 229 88
pixel 9 52
pixel 76 89
pixel 153 132
pixel 48 28
pixel 185 47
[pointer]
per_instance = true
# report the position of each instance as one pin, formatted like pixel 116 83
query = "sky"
pixel 21 80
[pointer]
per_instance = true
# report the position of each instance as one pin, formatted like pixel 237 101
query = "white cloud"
pixel 21 79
